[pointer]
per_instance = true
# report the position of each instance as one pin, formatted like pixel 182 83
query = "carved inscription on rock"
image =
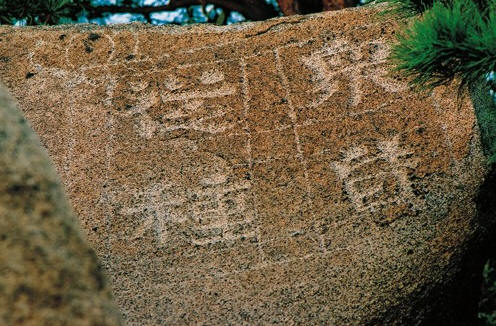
pixel 170 100
pixel 217 210
pixel 339 59
pixel 377 181
pixel 219 98
pixel 241 176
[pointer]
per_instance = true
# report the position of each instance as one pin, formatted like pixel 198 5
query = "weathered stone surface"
pixel 261 173
pixel 48 273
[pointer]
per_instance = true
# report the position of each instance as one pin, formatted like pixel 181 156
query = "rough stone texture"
pixel 261 173
pixel 48 274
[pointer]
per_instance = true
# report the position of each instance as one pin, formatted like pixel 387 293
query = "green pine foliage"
pixel 456 40
pixel 40 12
pixel 448 41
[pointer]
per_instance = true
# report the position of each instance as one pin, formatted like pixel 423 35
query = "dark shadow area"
pixel 485 108
pixel 460 303
pixel 462 297
pixel 487 215
pixel 457 303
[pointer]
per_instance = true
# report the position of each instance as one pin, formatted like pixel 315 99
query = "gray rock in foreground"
pixel 48 273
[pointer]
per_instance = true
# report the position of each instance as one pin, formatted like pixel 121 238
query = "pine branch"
pixel 302 7
pixel 251 9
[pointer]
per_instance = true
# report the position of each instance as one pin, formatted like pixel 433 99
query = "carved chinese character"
pixel 376 180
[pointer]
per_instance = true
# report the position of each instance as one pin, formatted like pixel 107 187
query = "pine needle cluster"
pixel 450 40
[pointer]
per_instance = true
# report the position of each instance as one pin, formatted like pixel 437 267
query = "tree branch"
pixel 299 7
pixel 302 7
pixel 251 9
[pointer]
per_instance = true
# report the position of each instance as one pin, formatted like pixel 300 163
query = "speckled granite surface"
pixel 262 173
pixel 48 275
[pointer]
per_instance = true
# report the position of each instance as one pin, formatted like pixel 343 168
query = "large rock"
pixel 48 274
pixel 260 173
